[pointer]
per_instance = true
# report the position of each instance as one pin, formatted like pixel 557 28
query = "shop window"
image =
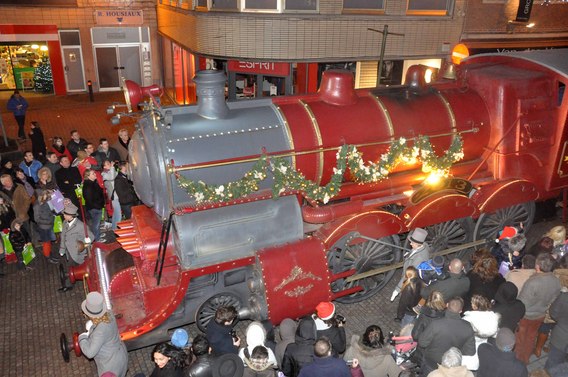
pixel 429 7
pixel 41 3
pixel 201 4
pixel 224 4
pixel 21 64
pixel 301 5
pixel 363 6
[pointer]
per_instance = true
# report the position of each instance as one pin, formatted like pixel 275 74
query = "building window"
pixel 224 4
pixel 201 4
pixel 301 5
pixel 429 7
pixel 261 5
pixel 363 6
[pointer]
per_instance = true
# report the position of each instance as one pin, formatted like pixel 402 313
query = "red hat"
pixel 507 232
pixel 325 310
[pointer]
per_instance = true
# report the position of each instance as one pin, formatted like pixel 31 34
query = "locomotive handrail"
pixel 381 270
pixel 160 260
pixel 291 152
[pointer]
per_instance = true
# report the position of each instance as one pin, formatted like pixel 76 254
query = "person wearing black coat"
pixel 170 361
pixel 19 238
pixel 484 280
pixel 202 366
pixel 39 148
pixel 125 190
pixel 67 179
pixel 499 359
pixel 94 201
pixel 301 352
pixel 220 331
pixel 507 304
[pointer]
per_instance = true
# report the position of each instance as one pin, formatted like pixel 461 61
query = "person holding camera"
pixel 220 333
pixel 330 325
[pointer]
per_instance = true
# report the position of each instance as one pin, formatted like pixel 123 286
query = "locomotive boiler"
pixel 271 204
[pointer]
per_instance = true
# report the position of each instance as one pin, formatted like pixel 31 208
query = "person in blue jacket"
pixel 18 105
pixel 30 166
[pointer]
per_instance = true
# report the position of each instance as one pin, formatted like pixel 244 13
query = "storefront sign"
pixel 264 68
pixel 120 17
pixel 524 11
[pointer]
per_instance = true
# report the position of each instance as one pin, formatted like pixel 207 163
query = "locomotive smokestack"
pixel 211 94
pixel 337 87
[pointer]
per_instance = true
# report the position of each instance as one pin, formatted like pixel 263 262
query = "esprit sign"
pixel 265 68
pixel 120 17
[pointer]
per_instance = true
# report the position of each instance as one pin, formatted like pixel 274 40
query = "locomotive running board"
pixel 381 270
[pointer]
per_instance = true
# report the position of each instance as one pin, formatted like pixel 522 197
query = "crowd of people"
pixel 473 319
pixel 75 189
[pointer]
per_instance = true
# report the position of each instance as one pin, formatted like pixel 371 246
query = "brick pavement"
pixel 34 313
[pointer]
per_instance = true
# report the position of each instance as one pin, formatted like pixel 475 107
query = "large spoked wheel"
pixel 490 224
pixel 207 310
pixel 352 252
pixel 448 234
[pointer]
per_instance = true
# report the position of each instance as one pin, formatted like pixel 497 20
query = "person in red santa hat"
pixel 508 249
pixel 330 325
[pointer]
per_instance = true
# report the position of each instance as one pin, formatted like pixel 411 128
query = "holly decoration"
pixel 287 178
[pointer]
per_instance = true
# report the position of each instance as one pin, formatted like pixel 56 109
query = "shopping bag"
pixel 28 254
pixel 8 249
pixel 56 203
pixel 103 214
pixel 57 224
pixel 79 193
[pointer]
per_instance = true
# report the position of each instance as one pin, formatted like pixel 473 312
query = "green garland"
pixel 286 178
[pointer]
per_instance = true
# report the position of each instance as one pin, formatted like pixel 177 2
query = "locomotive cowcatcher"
pixel 228 219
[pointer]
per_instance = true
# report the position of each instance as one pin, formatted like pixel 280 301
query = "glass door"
pixel 114 62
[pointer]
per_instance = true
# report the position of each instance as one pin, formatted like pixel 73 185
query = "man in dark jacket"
pixel 456 285
pixel 67 179
pixel 202 366
pixel 125 191
pixel 76 144
pixel 106 153
pixel 301 352
pixel 220 331
pixel 507 304
pixel 444 333
pixel 324 364
pixel 559 340
pixel 499 360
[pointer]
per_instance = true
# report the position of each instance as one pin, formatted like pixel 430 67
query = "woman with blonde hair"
pixel 43 215
pixel 409 297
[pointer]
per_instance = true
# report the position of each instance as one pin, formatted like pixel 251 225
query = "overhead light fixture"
pixel 35 47
pixel 43 48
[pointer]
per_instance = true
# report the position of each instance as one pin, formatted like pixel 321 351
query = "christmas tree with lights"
pixel 43 80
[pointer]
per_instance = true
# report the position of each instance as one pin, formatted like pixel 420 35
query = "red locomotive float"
pixel 229 219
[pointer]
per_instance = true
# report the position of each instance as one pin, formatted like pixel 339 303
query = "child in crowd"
pixel 19 239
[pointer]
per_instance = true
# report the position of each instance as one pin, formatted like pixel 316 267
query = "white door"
pixel 72 60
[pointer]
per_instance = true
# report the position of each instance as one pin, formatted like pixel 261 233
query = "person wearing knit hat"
pixel 330 325
pixel 419 252
pixel 508 249
pixel 499 359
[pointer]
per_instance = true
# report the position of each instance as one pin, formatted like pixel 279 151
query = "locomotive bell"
pixel 211 94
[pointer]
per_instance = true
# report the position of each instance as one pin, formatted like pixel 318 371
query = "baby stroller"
pixel 404 348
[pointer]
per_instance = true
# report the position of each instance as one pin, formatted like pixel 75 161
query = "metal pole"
pixel 385 33
pixel 384 269
pixel 3 132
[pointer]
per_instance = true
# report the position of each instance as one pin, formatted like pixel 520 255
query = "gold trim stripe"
pixel 482 207
pixel 386 113
pixel 318 137
pixel 288 133
pixel 450 112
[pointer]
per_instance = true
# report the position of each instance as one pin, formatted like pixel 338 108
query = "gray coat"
pixel 69 237
pixel 538 293
pixel 414 258
pixel 103 344
pixel 559 312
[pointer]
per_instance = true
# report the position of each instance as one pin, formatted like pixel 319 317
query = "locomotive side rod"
pixel 290 153
pixel 395 266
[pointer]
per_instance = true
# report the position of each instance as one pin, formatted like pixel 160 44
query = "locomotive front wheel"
pixel 352 252
pixel 207 310
pixel 448 234
pixel 65 346
pixel 489 225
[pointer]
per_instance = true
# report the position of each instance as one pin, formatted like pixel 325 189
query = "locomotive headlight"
pixel 435 177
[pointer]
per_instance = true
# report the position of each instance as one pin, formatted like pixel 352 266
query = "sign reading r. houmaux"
pixel 121 17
